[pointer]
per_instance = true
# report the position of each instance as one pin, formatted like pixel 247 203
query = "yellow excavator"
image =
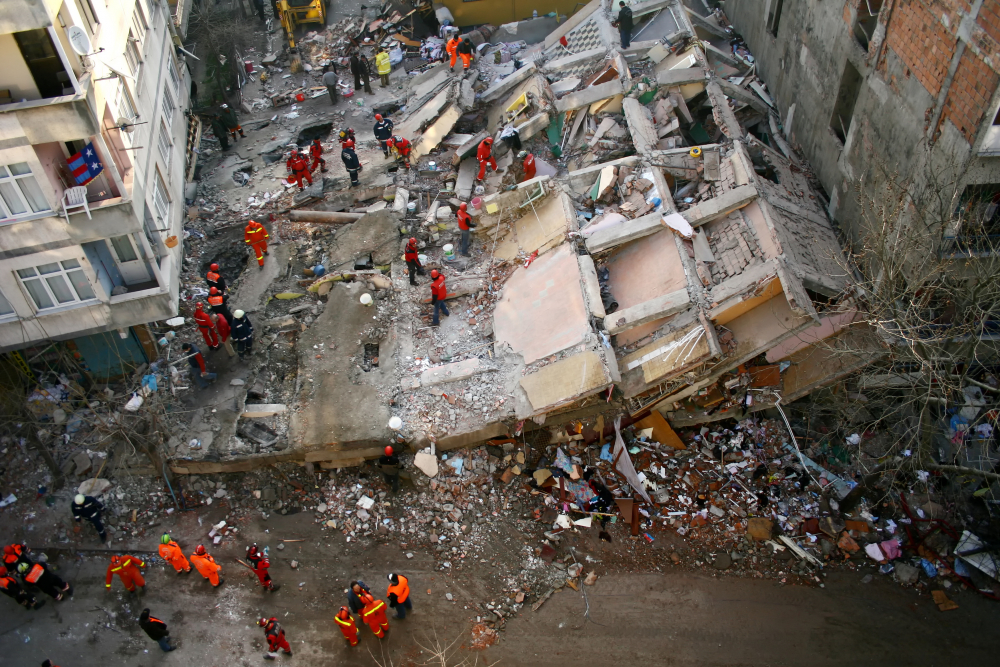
pixel 298 12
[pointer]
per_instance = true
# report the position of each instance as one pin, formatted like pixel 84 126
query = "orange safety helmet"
pixel 378 116
pixel 367 598
pixel 463 206
pixel 434 273
pixel 343 614
pixel 213 290
pixel 488 140
pixel 213 267
pixel 198 307
pixel 388 451
pixel 115 560
pixel 251 223
pixel 349 143
pixel 413 240
pixel 200 549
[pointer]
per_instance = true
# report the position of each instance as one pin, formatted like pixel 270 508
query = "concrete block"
pixel 575 59
pixel 467 172
pixel 680 77
pixel 507 83
pixel 565 381
pixel 533 125
pixel 589 95
pixel 262 410
pixel 466 95
pixel 591 286
pixel 640 124
pixel 460 370
pixel 629 230
pixel 434 134
pixel 470 145
pixel 647 311
pixel 725 203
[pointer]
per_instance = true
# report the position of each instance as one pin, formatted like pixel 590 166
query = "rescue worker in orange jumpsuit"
pixel 402 148
pixel 206 327
pixel 126 567
pixel 222 326
pixel 215 279
pixel 37 574
pixel 260 564
pixel 298 167
pixel 374 616
pixel 452 48
pixel 15 554
pixel 485 156
pixel 14 590
pixel 465 224
pixel 275 635
pixel 399 595
pixel 465 51
pixel 256 237
pixel 206 566
pixel 171 552
pixel 316 151
pixel 219 303
pixel 529 164
pixel 347 627
pixel 412 257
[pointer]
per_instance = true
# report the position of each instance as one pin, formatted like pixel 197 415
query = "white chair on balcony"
pixel 75 198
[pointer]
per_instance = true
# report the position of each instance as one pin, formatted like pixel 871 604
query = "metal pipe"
pixel 323 217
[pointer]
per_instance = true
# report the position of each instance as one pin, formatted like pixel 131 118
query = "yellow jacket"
pixel 382 63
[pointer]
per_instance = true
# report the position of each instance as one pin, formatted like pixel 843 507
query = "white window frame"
pixel 8 177
pixel 5 303
pixel 166 145
pixel 133 56
pixel 161 197
pixel 168 106
pixel 129 104
pixel 62 272
pixel 175 78
pixel 139 23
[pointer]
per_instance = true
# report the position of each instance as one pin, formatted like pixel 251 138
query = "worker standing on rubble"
pixel 171 552
pixel 412 257
pixel 242 334
pixel 452 48
pixel 351 162
pixel 275 636
pixel 330 80
pixel 38 574
pixel 401 147
pixel 624 24
pixel 383 65
pixel 257 237
pixel 485 157
pixel 231 122
pixel 260 564
pixel 222 326
pixel 438 294
pixel 388 465
pixel 206 327
pixel 383 131
pixel 399 595
pixel 214 278
pixel 529 164
pixel 316 151
pixel 219 128
pixel 465 224
pixel 359 68
pixel 465 50
pixel 299 168
pixel 127 569
pixel 374 616
pixel 12 589
pixel 219 303
pixel 347 627
pixel 206 566
pixel 89 508
pixel 197 362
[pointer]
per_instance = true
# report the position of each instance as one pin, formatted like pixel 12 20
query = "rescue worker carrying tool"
pixel 402 149
pixel 452 48
pixel 412 257
pixel 399 595
pixel 256 237
pixel 347 627
pixel 206 566
pixel 219 303
pixel 232 123
pixel 38 574
pixel 242 334
pixel 89 508
pixel 465 51
pixel 383 132
pixel 222 326
pixel 206 327
pixel 374 616
pixel 529 164
pixel 171 552
pixel 127 568
pixel 299 169
pixel 316 151
pixel 199 372
pixel 465 224
pixel 16 592
pixel 260 564
pixel 485 157
pixel 275 636
pixel 347 135
pixel 438 294
pixel 388 464
pixel 215 279
pixel 351 162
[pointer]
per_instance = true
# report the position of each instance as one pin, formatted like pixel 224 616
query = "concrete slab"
pixel 542 227
pixel 727 202
pixel 656 308
pixel 423 116
pixel 680 77
pixel 459 370
pixel 640 125
pixel 262 410
pixel 542 310
pixel 591 286
pixel 436 133
pixel 589 95
pixel 467 172
pixel 630 230
pixel 565 381
pixel 507 83
pixel 367 235
pixel 533 125
pixel 576 59
pixel 565 85
pixel 254 284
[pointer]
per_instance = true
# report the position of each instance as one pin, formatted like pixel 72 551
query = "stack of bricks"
pixel 733 244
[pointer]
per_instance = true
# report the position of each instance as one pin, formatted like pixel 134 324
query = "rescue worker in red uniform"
pixel 256 237
pixel 465 224
pixel 298 167
pixel 316 151
pixel 206 327
pixel 485 157
pixel 14 590
pixel 38 574
pixel 529 165
pixel 260 564
pixel 346 135
pixel 399 595
pixel 219 303
pixel 222 326
pixel 126 567
pixel 438 294
pixel 275 637
pixel 347 627
pixel 401 147
pixel 374 616
pixel 215 279
pixel 412 257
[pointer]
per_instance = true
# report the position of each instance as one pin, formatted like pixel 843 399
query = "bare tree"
pixel 222 36
pixel 439 653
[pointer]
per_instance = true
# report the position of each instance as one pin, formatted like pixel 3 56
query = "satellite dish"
pixel 124 124
pixel 78 40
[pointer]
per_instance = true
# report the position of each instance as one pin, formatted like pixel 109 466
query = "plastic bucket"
pixel 477 203
pixel 412 207
pixel 449 251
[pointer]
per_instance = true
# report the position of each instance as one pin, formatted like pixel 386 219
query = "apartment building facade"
pixel 93 95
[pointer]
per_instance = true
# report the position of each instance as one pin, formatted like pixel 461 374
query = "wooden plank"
pixel 662 432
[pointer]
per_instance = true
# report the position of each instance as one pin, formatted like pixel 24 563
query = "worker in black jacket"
pixel 156 629
pixel 359 68
pixel 351 161
pixel 89 508
pixel 242 332
pixel 383 132
pixel 354 593
pixel 624 24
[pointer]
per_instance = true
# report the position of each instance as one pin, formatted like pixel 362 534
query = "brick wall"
pixel 920 40
pixel 970 94
pixel 989 18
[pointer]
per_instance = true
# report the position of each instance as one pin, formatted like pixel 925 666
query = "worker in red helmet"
pixel 485 157
pixel 298 165
pixel 127 568
pixel 275 636
pixel 215 279
pixel 345 135
pixel 257 237
pixel 206 327
pixel 316 151
pixel 260 565
pixel 373 615
pixel 465 224
pixel 351 162
pixel 383 132
pixel 289 163
pixel 401 149
pixel 345 622
pixel 388 464
pixel 206 566
pixel 439 292
pixel 412 257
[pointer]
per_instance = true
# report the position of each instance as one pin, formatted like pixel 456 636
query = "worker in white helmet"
pixel 89 508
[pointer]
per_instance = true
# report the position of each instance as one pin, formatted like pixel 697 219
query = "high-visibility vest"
pixel 402 589
pixel 35 574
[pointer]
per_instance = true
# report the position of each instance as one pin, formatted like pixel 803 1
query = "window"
pixel 87 11
pixel 5 307
pixel 774 16
pixel 43 63
pixel 847 96
pixel 138 22
pixel 160 199
pixel 19 192
pixel 866 21
pixel 56 284
pixel 168 106
pixel 175 80
pixel 123 100
pixel 164 142
pixel 132 56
